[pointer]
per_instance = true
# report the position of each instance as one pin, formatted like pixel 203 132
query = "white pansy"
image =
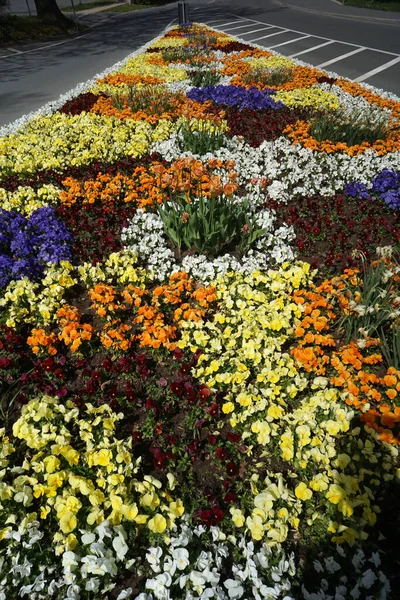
pixel 120 547
pixel 181 558
pixel 235 589
pixel 125 594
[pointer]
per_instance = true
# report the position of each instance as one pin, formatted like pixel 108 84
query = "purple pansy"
pixel 28 244
pixel 385 186
pixel 231 95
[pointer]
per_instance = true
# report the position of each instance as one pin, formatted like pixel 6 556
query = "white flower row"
pixel 146 237
pixel 29 570
pixel 195 567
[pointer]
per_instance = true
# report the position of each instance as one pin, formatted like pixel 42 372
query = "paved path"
pixel 367 49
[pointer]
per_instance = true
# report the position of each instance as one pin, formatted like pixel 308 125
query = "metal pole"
pixel 183 12
pixel 73 10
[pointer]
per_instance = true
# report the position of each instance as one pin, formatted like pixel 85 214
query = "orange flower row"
pixel 152 324
pixel 107 189
pixel 152 185
pixel 129 79
pixel 235 65
pixel 348 367
pixel 299 133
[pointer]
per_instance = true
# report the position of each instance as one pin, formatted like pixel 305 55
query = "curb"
pixel 351 17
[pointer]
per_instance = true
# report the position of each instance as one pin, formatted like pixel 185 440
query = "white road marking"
pixel 311 49
pixel 211 2
pixel 303 37
pixel 12 50
pixel 329 39
pixel 341 57
pixel 230 22
pixel 241 27
pixel 270 35
pixel 378 69
pixel 256 30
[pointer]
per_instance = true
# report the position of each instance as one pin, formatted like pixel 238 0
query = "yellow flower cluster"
pixel 37 303
pixel 119 267
pixel 170 42
pixel 76 472
pixel 203 125
pixel 58 141
pixel 312 96
pixel 26 199
pixel 254 320
pixel 276 508
pixel 271 62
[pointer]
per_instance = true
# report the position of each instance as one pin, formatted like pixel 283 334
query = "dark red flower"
pixel 234 437
pixel 221 454
pixel 231 469
pixel 176 388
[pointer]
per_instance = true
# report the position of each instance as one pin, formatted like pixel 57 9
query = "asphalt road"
pixel 351 42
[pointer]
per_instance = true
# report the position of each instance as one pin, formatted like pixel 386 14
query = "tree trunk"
pixel 48 11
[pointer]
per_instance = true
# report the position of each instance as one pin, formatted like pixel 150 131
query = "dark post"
pixel 183 12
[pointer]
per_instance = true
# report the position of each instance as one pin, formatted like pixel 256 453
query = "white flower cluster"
pixel 364 581
pixel 146 237
pixel 224 568
pixel 92 568
pixel 356 104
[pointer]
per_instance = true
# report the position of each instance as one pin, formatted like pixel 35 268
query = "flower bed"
pixel 200 333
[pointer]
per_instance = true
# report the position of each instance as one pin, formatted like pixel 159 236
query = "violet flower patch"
pixel 231 95
pixel 385 186
pixel 28 244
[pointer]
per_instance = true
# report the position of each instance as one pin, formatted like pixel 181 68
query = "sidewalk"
pixel 334 8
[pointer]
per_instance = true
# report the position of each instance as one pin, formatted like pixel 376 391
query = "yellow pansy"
pixel 68 522
pixel 303 492
pixel 157 524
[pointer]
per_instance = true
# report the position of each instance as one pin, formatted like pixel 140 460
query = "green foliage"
pixel 210 225
pixel 390 345
pixel 18 29
pixel 265 77
pixel 152 99
pixel 203 78
pixel 371 303
pixel 352 129
pixel 201 139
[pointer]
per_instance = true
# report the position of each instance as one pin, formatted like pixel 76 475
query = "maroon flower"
pixel 231 469
pixel 234 437
pixel 221 454
pixel 176 388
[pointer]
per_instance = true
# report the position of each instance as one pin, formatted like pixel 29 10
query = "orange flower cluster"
pixel 299 133
pixel 72 332
pixel 152 323
pixel 302 77
pixel 105 107
pixel 129 79
pixel 235 65
pixel 107 189
pixel 151 185
pixel 310 347
pixel 42 342
pixel 194 178
pixel 349 367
